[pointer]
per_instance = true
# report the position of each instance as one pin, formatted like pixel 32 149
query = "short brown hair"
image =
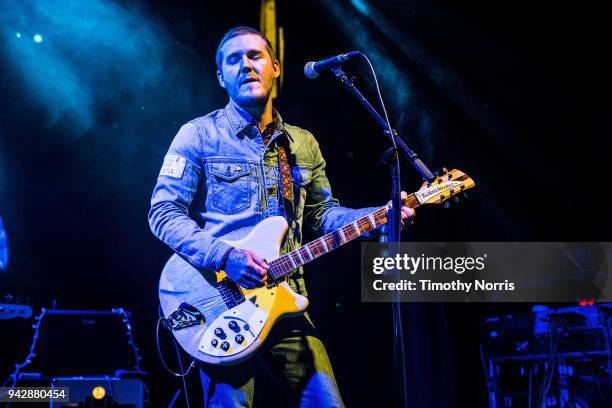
pixel 237 31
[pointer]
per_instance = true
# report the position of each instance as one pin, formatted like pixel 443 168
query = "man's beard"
pixel 253 101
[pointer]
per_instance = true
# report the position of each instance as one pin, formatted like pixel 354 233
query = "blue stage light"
pixel 361 6
pixel 38 38
pixel 18 34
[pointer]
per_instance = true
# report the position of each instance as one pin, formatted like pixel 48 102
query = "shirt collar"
pixel 240 119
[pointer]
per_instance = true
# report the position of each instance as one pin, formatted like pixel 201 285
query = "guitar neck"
pixel 289 262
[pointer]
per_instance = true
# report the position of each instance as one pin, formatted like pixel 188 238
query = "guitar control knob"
pixel 214 342
pixel 239 338
pixel 219 333
pixel 225 346
pixel 246 327
pixel 234 326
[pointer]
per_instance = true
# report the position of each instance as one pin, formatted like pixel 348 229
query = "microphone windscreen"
pixel 310 71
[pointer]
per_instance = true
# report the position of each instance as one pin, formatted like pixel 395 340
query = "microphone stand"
pixel 391 158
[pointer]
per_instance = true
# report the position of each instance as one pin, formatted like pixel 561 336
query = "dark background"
pixel 508 92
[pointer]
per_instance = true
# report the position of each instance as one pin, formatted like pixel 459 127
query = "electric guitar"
pixel 218 322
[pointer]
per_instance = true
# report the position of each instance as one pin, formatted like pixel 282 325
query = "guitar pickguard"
pixel 234 330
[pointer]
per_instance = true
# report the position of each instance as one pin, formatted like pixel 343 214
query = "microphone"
pixel 313 69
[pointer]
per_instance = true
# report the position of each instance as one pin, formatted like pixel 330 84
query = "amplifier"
pixel 84 342
pixel 101 392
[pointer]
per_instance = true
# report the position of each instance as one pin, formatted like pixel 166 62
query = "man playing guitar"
pixel 223 174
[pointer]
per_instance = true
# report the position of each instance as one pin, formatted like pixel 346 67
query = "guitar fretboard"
pixel 292 260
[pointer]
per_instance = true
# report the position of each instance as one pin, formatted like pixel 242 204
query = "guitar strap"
pixel 286 184
pixel 285 171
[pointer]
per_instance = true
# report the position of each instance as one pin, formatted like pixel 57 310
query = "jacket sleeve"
pixel 322 212
pixel 178 180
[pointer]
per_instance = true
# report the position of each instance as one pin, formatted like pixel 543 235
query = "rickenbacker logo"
pixel 427 193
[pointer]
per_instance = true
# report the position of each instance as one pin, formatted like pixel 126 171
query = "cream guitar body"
pixel 241 329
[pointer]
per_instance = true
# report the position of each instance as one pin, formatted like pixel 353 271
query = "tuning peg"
pixel 447 204
pixel 465 195
pixel 456 199
pixel 445 170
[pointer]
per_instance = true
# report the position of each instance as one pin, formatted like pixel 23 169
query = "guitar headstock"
pixel 449 185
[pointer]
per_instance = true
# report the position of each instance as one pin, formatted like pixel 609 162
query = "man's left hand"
pixel 407 212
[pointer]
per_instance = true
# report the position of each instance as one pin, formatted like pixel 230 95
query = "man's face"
pixel 247 70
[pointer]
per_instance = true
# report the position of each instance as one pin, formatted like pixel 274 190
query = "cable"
pixel 380 99
pixel 161 357
pixel 30 356
pixel 131 342
pixel 178 356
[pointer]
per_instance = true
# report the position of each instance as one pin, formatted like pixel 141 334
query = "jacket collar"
pixel 240 119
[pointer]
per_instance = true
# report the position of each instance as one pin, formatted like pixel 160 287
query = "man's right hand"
pixel 246 268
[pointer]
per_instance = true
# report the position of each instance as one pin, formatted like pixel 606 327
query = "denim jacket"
pixel 218 181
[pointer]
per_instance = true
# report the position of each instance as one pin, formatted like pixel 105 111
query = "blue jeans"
pixel 293 356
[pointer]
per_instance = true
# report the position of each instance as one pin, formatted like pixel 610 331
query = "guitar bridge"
pixel 185 316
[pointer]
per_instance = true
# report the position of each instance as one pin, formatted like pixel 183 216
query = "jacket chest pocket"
pixel 302 177
pixel 229 186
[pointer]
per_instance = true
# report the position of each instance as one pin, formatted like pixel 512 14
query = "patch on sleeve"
pixel 173 166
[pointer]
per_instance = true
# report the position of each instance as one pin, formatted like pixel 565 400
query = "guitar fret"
pixel 307 246
pixel 320 247
pixel 282 266
pixel 290 263
pixel 365 224
pixel 316 248
pixel 294 260
pixel 356 226
pixel 325 243
pixel 329 240
pixel 299 255
pixel 342 236
pixel 287 261
pixel 351 231
pixel 337 238
pixel 313 248
pixel 372 220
